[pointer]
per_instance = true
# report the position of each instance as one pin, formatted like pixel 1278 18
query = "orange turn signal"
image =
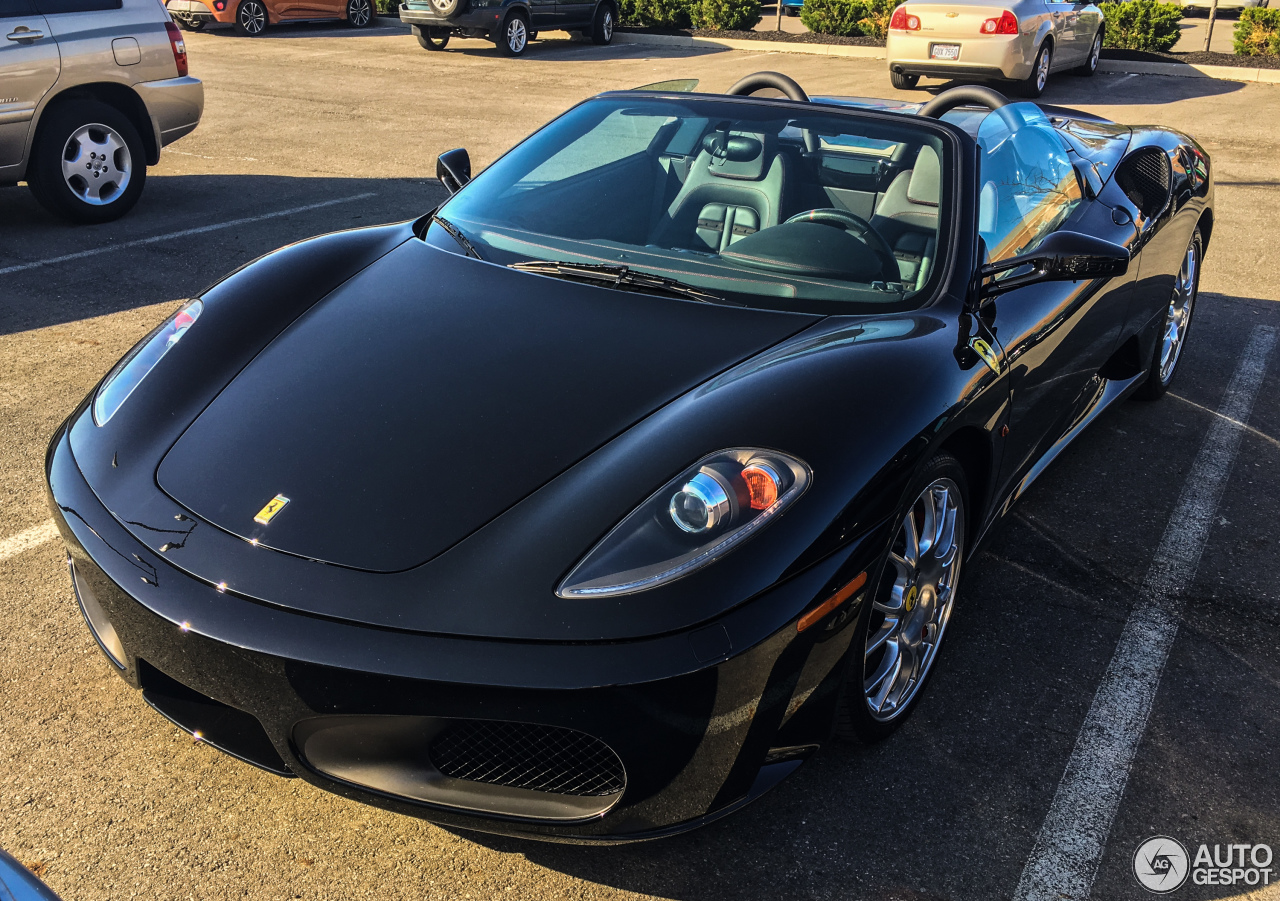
pixel 832 603
pixel 762 486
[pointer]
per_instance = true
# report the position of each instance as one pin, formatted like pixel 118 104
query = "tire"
pixel 448 8
pixel 104 141
pixel 602 25
pixel 513 39
pixel 1172 339
pixel 791 11
pixel 1090 65
pixel 1033 85
pixel 432 38
pixel 904 617
pixel 903 82
pixel 251 18
pixel 361 13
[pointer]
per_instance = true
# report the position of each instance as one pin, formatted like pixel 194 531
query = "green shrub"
pixel 847 18
pixel 1258 32
pixel 1142 25
pixel 725 15
pixel 387 7
pixel 655 13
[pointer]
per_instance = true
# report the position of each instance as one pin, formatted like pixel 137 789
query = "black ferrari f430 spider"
pixel 591 503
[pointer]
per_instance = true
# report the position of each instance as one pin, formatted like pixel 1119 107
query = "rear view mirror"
pixel 1062 256
pixel 453 168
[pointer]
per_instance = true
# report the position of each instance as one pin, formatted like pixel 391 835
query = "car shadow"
pixel 312 28
pixel 185 232
pixel 1068 89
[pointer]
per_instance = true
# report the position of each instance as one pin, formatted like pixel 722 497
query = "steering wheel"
pixel 963 96
pixel 779 82
pixel 862 229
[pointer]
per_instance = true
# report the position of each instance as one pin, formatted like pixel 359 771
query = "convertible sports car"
pixel 590 504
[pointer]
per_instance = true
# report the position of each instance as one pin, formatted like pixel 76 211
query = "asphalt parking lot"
pixel 312 129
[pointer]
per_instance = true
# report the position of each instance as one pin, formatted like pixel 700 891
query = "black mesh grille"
pixel 522 755
pixel 1145 178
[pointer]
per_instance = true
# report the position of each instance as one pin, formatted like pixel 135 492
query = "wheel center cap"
pixel 909 602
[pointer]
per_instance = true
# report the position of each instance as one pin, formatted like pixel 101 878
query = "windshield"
pixel 755 204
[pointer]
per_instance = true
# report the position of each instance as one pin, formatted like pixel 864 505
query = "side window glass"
pixel 53 7
pixel 1029 187
pixel 11 8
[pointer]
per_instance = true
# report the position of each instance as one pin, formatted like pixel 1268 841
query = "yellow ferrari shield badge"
pixel 983 349
pixel 274 506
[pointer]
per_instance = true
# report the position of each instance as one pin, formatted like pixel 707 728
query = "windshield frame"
pixel 954 207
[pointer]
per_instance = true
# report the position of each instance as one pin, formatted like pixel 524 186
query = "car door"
pixel 543 15
pixel 29 66
pixel 1085 19
pixel 1056 335
pixel 1065 49
pixel 574 13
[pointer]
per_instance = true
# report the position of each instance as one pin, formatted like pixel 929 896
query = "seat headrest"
pixel 926 178
pixel 740 155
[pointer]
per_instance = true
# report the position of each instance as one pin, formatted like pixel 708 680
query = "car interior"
pixel 825 208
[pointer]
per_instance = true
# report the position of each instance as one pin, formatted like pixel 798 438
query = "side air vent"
pixel 1146 178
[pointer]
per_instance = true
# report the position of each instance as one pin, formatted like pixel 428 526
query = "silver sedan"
pixel 1022 42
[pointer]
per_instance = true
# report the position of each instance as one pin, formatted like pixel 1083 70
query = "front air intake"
pixel 1146 178
pixel 528 756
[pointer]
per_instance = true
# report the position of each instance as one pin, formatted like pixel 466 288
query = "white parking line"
pixel 26 540
pixel 1065 859
pixel 185 233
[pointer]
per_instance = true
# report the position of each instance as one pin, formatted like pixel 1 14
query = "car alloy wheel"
pixel 1042 70
pixel 907 622
pixel 1178 318
pixel 602 26
pixel 251 18
pixel 1094 53
pixel 607 26
pixel 96 164
pixel 359 13
pixel 516 35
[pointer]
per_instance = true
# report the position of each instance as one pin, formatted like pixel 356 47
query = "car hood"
pixel 431 392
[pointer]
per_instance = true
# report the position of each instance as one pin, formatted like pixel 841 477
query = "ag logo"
pixel 1160 864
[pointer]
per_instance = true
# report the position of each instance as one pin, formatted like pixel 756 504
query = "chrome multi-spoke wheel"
pixel 908 620
pixel 1172 339
pixel 251 18
pixel 96 164
pixel 515 35
pixel 1178 318
pixel 359 13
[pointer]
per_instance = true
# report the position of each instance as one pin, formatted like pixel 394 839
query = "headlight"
pixel 691 521
pixel 130 371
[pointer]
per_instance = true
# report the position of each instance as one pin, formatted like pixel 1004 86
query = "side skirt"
pixel 1108 392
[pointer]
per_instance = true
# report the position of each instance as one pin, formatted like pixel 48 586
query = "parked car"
pixel 511 24
pixel 792 7
pixel 93 89
pixel 251 17
pixel 1023 42
pixel 1198 7
pixel 587 505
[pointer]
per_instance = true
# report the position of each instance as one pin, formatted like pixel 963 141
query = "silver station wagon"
pixel 90 90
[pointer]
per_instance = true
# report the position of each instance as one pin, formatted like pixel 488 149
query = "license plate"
pixel 944 51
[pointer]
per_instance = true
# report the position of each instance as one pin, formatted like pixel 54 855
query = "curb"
pixel 675 40
pixel 1113 66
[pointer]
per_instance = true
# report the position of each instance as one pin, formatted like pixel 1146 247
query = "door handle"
pixel 24 34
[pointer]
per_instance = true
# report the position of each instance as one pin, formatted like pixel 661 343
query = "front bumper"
pixel 987 56
pixel 699 727
pixel 175 106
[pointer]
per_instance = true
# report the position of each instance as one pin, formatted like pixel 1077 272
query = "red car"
pixel 251 17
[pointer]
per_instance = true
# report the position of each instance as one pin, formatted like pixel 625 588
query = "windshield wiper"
pixel 624 278
pixel 452 231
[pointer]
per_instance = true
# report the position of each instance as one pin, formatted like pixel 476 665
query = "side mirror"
pixel 1061 257
pixel 453 168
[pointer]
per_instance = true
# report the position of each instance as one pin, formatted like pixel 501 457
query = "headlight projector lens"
pixel 701 505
